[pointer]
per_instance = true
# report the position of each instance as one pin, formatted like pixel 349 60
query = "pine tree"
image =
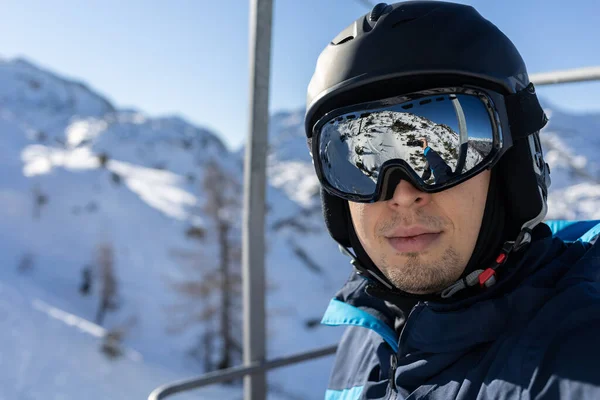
pixel 108 282
pixel 211 288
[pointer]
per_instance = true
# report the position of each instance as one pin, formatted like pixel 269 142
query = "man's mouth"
pixel 413 239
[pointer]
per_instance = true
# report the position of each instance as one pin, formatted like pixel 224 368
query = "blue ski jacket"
pixel 436 165
pixel 533 335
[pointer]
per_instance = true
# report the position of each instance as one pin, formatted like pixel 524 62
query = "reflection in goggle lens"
pixel 439 137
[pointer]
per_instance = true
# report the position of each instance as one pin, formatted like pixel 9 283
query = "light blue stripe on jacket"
pixel 346 394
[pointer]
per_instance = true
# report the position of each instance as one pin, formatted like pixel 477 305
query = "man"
pixel 459 290
pixel 435 164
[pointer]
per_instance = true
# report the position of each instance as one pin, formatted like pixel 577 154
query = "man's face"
pixel 422 242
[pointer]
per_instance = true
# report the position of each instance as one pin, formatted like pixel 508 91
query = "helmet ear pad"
pixel 521 184
pixel 336 213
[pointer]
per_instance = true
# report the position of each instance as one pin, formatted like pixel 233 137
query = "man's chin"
pixel 423 273
pixel 420 289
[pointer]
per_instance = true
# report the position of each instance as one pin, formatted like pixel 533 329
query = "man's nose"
pixel 407 196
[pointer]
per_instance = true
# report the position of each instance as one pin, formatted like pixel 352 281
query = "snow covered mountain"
pixel 48 353
pixel 571 144
pixel 79 175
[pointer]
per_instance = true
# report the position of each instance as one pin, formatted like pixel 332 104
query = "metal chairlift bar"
pixel 237 372
pixel 564 76
pixel 253 226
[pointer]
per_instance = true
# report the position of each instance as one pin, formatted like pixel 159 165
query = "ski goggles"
pixel 435 139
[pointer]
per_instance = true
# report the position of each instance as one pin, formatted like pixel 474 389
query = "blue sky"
pixel 190 57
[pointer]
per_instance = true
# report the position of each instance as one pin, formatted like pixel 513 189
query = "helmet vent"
pixel 377 11
pixel 344 40
pixel 402 21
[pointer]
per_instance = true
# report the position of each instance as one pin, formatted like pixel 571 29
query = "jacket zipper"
pixel 393 367
pixel 415 310
pixel 394 357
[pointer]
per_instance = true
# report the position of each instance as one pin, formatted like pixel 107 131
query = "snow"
pixel 141 200
pixel 571 144
pixel 159 189
pixel 296 179
pixel 50 354
pixel 40 160
pixel 26 87
pixel 70 319
pixel 80 131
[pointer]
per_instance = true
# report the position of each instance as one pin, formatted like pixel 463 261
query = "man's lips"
pixel 411 231
pixel 413 239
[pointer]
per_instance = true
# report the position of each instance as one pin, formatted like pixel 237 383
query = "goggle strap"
pixel 525 114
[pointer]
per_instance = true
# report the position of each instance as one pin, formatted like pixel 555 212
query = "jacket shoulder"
pixel 362 359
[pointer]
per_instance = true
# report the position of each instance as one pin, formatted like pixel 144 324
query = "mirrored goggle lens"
pixel 439 137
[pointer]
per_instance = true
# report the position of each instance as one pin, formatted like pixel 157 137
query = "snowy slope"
pixel 571 144
pixel 133 182
pixel 50 354
pixel 290 168
pixel 27 88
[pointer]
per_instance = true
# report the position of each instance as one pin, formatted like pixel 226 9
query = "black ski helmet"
pixel 417 45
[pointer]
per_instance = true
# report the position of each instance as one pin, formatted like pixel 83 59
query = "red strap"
pixel 485 276
pixel 500 259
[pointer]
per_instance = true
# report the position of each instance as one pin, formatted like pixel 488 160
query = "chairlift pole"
pixel 566 76
pixel 253 257
pixel 464 135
